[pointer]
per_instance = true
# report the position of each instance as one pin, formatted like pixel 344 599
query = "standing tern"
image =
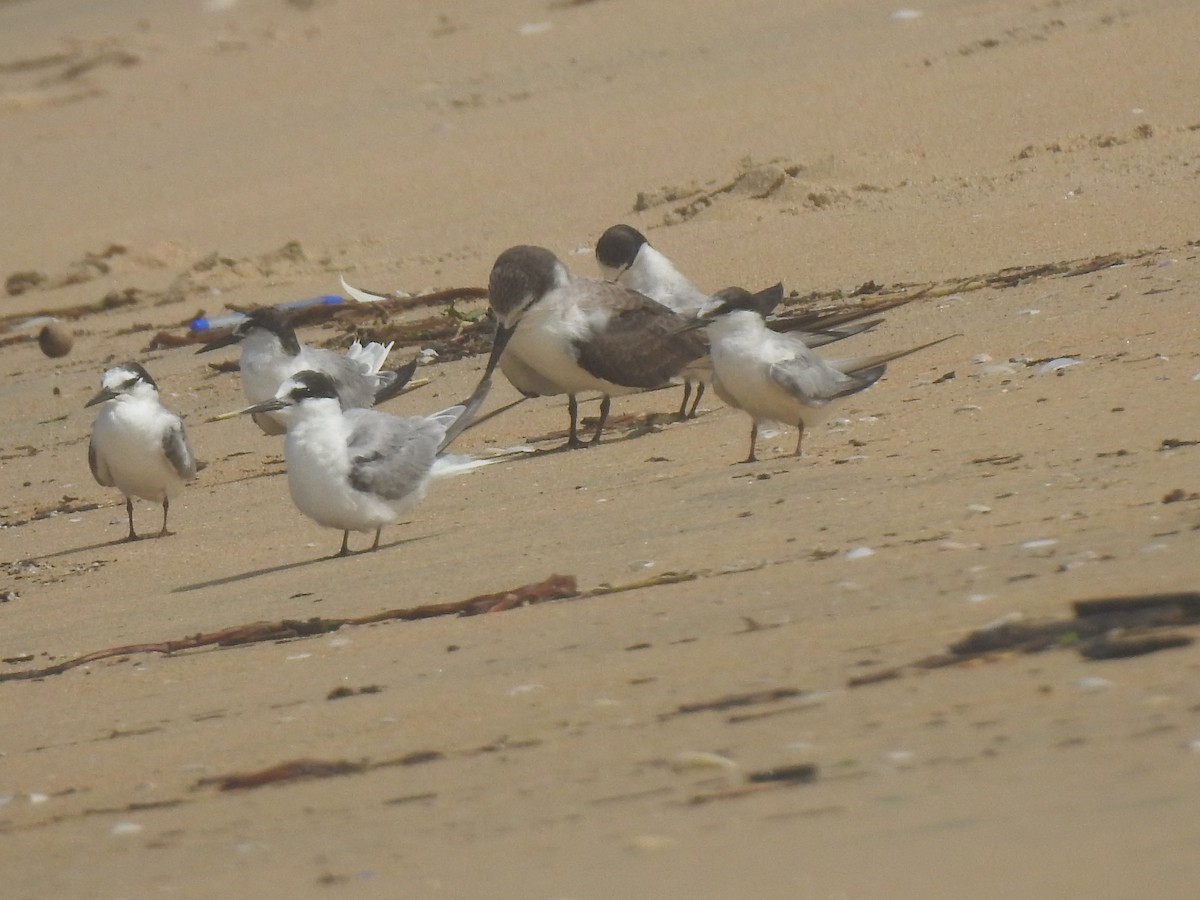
pixel 357 469
pixel 778 377
pixel 560 334
pixel 626 257
pixel 138 446
pixel 272 353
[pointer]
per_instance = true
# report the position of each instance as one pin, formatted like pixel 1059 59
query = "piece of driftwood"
pixel 556 587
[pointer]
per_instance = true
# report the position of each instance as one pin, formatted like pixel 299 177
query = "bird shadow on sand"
pixel 101 545
pixel 298 564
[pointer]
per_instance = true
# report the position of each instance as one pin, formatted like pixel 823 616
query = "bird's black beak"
pixel 499 342
pixel 225 341
pixel 694 325
pixel 273 405
pixel 104 394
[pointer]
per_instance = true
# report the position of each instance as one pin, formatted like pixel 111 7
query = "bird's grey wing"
pixel 857 365
pixel 814 382
pixel 826 319
pixel 643 344
pixel 816 339
pixel 179 451
pixel 390 456
pixel 356 389
pixel 99 468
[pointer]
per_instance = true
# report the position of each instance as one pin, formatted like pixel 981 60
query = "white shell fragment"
pixel 702 759
pixel 1039 544
pixel 1057 365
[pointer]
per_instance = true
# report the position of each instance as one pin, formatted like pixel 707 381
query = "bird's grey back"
pixel 814 382
pixel 355 388
pixel 391 456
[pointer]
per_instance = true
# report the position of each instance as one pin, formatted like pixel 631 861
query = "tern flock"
pixel 643 326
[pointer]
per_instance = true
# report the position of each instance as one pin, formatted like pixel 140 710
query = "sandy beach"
pixel 748 679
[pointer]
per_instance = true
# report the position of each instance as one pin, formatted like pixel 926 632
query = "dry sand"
pixel 542 753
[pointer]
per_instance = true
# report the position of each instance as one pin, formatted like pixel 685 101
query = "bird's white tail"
pixel 371 357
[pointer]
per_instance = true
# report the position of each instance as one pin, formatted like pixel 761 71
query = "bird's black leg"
pixel 753 440
pixel 166 506
pixel 696 402
pixel 573 441
pixel 687 393
pixel 378 531
pixel 132 536
pixel 605 406
pixel 345 551
pixel 800 437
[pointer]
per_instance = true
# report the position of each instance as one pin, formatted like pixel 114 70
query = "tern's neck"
pixel 510 314
pixel 141 393
pixel 261 343
pixel 656 276
pixel 739 323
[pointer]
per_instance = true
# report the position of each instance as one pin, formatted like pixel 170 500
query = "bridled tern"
pixel 138 446
pixel 560 334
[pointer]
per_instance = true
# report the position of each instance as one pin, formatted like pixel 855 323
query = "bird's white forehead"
pixel 116 377
pixel 287 386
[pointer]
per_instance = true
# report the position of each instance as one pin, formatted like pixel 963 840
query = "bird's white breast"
pixel 127 438
pixel 318 463
pixel 743 350
pixel 544 342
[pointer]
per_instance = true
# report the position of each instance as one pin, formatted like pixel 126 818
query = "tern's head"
pixel 735 307
pixel 126 380
pixel 735 299
pixel 301 387
pixel 520 277
pixel 617 249
pixel 265 323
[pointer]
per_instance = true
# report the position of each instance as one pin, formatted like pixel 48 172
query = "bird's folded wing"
pixel 390 456
pixel 98 466
pixel 178 451
pixel 642 345
pixel 806 378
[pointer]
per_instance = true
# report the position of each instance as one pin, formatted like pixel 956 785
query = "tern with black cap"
pixel 357 469
pixel 778 377
pixel 626 257
pixel 272 353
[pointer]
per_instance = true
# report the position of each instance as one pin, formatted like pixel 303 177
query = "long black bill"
pixel 499 342
pixel 273 405
pixel 105 394
pixel 225 341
